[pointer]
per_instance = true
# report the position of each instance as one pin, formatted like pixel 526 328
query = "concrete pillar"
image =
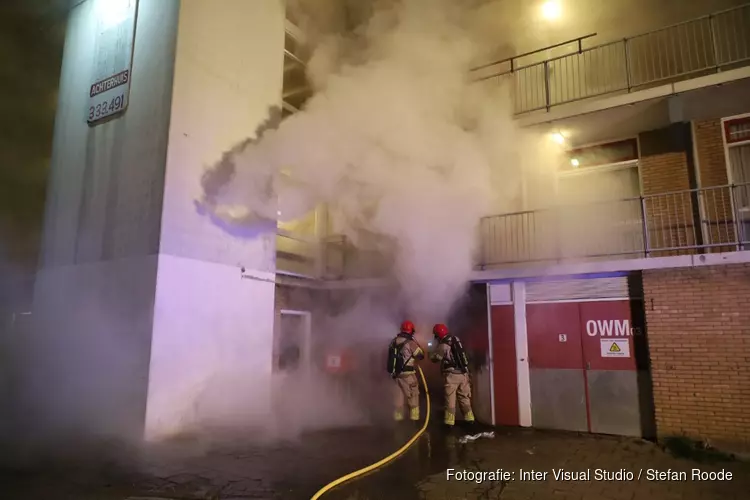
pixel 150 317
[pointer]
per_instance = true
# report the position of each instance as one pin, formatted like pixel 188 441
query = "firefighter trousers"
pixel 457 387
pixel 406 390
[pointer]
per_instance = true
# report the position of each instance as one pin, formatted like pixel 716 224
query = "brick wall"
pixel 669 216
pixel 698 324
pixel 710 153
pixel 712 167
pixel 664 173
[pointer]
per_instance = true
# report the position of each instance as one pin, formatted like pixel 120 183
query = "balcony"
pixel 332 258
pixel 697 221
pixel 710 44
pixel 707 220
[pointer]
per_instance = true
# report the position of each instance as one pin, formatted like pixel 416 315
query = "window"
pixel 602 154
pixel 600 185
pixel 600 173
pixel 737 130
pixel 737 139
pixel 598 189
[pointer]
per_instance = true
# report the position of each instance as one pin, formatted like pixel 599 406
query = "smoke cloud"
pixel 407 153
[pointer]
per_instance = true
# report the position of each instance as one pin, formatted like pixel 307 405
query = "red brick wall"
pixel 712 166
pixel 664 173
pixel 698 322
pixel 710 153
pixel 669 216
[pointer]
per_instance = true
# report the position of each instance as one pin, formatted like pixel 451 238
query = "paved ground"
pixel 296 470
pixel 423 474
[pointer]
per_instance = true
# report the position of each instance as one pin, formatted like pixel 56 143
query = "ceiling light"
pixel 558 138
pixel 551 10
pixel 575 162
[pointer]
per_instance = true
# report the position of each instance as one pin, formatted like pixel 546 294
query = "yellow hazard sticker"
pixel 615 348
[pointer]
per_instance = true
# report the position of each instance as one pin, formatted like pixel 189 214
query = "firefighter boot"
pixel 398 414
pixel 414 414
pixel 450 420
pixel 470 421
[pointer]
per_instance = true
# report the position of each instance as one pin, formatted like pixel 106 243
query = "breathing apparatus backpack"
pixel 460 360
pixel 396 361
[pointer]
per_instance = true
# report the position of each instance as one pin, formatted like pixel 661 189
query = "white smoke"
pixel 398 142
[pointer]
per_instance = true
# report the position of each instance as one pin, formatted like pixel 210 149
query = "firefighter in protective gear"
pixel 407 384
pixel 455 375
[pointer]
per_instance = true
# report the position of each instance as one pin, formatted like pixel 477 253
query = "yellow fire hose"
pixel 387 459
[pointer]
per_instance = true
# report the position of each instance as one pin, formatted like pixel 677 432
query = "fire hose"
pixel 387 459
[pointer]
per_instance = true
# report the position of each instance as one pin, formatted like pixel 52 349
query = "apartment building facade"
pixel 620 308
pixel 647 253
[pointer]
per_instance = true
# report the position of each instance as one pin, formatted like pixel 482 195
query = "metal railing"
pixel 334 257
pixel 715 219
pixel 711 43
pixel 706 220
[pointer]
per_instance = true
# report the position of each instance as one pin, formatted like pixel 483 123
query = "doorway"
pixel 292 352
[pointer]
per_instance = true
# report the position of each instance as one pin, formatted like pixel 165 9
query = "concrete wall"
pixel 145 310
pixel 213 327
pixel 698 334
pixel 94 294
pixel 104 197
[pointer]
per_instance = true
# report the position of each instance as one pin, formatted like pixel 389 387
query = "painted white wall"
pixel 123 239
pixel 87 355
pixel 213 331
pixel 228 72
pixel 522 354
pixel 211 352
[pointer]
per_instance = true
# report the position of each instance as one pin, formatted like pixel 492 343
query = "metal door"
pixel 612 346
pixel 293 342
pixel 589 367
pixel 588 356
pixel 558 389
pixel 505 377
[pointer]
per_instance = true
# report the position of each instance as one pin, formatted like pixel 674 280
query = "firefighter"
pixel 454 365
pixel 404 352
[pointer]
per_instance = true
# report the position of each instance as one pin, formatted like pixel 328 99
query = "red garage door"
pixel 583 365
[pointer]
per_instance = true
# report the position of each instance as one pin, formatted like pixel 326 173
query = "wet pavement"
pixel 296 470
pixel 423 474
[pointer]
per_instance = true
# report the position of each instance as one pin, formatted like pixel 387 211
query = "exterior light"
pixel 551 10
pixel 113 12
pixel 575 162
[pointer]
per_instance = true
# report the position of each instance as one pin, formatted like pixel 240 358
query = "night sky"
pixel 31 41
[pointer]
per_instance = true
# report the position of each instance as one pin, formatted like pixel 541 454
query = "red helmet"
pixel 440 330
pixel 407 327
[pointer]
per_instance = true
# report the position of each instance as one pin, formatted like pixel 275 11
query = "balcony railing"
pixel 715 219
pixel 708 44
pixel 332 258
pixel 707 220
